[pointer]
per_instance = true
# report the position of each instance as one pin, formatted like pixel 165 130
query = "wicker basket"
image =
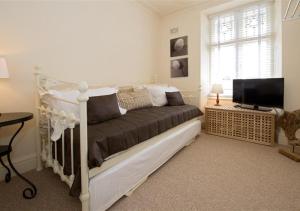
pixel 242 124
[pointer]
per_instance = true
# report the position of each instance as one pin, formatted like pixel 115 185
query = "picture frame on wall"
pixel 179 68
pixel 179 46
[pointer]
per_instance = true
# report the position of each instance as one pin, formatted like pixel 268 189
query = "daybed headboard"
pixel 45 83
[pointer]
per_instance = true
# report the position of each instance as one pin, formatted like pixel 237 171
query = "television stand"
pixel 255 107
pixel 242 124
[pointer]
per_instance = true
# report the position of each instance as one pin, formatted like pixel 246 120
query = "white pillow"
pixel 61 105
pixel 142 86
pixel 158 94
pixel 72 95
pixel 122 110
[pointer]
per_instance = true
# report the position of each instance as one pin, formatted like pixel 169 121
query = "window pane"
pixel 227 86
pixel 227 63
pixel 214 36
pixel 214 64
pixel 227 29
pixel 223 65
pixel 266 58
pixel 248 64
pixel 265 20
pixel 249 23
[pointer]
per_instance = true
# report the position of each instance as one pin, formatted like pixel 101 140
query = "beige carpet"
pixel 212 174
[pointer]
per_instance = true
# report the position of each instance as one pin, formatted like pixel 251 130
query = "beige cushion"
pixel 125 89
pixel 134 100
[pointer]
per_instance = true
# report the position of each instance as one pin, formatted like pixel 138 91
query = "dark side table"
pixel 7 119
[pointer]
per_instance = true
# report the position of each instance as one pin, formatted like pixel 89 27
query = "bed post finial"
pixel 83 87
pixel 82 99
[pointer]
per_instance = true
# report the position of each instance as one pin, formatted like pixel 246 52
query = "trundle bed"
pixel 103 162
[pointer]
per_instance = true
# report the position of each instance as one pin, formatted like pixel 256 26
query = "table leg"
pixel 30 192
pixel 8 174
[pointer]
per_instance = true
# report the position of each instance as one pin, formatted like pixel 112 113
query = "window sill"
pixel 221 97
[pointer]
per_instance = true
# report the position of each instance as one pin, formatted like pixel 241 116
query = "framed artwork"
pixel 179 46
pixel 179 68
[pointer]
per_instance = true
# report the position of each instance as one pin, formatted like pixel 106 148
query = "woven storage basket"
pixel 242 124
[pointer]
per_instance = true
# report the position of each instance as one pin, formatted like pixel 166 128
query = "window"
pixel 241 45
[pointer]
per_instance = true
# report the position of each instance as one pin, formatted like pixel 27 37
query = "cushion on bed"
pixel 122 89
pixel 102 108
pixel 72 95
pixel 174 99
pixel 134 100
pixel 158 94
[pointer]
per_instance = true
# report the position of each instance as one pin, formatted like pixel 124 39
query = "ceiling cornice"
pixel 167 7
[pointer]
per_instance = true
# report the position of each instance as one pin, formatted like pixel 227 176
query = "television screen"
pixel 259 92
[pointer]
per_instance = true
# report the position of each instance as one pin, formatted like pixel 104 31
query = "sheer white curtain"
pixel 241 44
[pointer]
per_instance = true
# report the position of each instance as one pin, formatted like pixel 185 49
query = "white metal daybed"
pixel 117 176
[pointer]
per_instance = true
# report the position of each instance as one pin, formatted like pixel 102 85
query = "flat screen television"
pixel 266 92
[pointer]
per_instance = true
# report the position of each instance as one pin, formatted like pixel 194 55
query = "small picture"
pixel 179 46
pixel 179 68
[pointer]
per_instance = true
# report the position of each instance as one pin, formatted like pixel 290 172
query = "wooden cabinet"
pixel 242 124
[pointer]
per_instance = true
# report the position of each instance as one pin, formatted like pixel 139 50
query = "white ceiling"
pixel 165 7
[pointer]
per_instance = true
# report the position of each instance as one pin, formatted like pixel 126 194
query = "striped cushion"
pixel 125 89
pixel 134 100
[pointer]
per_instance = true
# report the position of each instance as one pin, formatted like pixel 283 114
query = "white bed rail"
pixel 83 98
pixel 45 144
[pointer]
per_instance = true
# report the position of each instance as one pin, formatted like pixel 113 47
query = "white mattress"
pixel 119 175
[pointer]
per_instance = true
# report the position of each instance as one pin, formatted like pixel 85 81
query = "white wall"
pixel 189 23
pixel 101 42
pixel 291 63
pixel 291 66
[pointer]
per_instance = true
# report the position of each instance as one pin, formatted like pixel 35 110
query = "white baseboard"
pixel 23 165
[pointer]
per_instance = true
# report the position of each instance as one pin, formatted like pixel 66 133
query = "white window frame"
pixel 237 40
